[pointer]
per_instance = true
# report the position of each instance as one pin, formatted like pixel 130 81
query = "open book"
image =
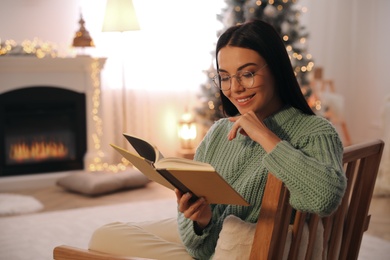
pixel 200 179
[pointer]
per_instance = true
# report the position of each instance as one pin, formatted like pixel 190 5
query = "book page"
pixel 182 163
pixel 143 166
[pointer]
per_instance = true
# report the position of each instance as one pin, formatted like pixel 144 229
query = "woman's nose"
pixel 235 84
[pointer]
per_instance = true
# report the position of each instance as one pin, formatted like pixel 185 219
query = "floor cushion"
pixel 97 183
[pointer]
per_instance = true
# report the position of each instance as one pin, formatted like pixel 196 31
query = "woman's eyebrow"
pixel 246 65
pixel 241 67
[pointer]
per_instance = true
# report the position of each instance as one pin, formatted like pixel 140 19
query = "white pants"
pixel 149 239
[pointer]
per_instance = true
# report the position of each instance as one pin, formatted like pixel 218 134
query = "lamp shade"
pixel 120 16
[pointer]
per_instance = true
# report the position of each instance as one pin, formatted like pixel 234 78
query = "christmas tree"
pixel 284 16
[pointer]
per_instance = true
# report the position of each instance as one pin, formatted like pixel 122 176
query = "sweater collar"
pixel 282 116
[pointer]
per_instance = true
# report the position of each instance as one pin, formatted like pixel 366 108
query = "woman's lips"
pixel 244 100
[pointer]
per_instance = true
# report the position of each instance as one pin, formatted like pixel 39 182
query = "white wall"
pixel 54 21
pixel 349 39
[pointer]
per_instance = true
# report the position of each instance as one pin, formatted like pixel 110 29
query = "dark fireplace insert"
pixel 42 129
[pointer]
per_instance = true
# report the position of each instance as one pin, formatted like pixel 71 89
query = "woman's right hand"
pixel 198 211
pixel 250 125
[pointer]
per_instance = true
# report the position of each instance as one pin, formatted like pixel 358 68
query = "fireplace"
pixel 43 130
pixel 61 109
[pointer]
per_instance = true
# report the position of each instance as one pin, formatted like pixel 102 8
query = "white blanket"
pixel 34 236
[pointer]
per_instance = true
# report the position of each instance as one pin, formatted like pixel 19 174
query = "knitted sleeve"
pixel 311 170
pixel 199 246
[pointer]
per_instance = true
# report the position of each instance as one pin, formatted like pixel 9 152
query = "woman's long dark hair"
pixel 262 38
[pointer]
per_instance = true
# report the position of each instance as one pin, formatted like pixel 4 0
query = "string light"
pixel 211 105
pixel 36 47
pixel 98 163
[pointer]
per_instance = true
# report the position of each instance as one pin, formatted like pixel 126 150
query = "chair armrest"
pixel 272 225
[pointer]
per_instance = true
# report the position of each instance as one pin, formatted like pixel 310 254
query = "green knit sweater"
pixel 308 160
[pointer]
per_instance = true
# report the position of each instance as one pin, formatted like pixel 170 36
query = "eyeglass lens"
pixel 224 81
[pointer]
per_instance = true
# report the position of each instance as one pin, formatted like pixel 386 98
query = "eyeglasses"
pixel 223 81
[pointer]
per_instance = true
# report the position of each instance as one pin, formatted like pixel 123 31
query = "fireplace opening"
pixel 43 129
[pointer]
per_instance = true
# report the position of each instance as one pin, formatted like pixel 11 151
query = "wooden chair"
pixel 343 230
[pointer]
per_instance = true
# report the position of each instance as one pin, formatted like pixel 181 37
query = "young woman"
pixel 269 128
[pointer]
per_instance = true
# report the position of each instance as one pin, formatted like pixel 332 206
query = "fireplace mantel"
pixel 80 74
pixel 70 73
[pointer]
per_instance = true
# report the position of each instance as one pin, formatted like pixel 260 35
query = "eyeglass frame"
pixel 238 79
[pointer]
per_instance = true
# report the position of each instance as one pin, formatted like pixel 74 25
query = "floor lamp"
pixel 120 17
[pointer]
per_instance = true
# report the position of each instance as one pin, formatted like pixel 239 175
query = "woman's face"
pixel 261 98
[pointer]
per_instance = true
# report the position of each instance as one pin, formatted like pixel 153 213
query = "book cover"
pixel 198 178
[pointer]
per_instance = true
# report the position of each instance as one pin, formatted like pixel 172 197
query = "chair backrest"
pixel 342 231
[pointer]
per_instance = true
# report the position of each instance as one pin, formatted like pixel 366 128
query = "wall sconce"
pixel 82 38
pixel 187 132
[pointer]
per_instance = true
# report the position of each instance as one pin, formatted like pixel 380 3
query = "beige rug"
pixel 15 204
pixel 34 236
